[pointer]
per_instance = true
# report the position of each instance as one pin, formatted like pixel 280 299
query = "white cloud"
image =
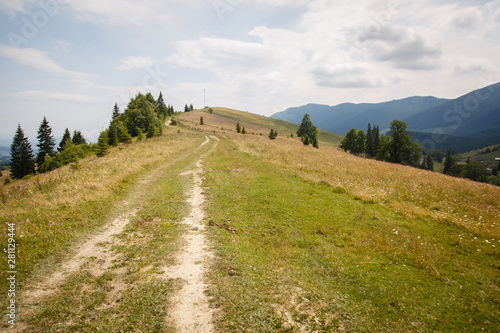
pixel 11 7
pixel 136 63
pixel 402 46
pixel 52 95
pixel 467 18
pixel 39 60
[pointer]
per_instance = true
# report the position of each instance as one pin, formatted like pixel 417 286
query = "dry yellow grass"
pixel 412 192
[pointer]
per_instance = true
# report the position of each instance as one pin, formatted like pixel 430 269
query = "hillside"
pixel 341 118
pixel 239 233
pixel 469 122
pixel 468 115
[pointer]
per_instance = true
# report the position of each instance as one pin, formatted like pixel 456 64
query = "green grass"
pixel 310 256
pixel 102 190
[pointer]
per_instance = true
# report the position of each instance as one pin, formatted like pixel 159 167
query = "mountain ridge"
pixel 475 114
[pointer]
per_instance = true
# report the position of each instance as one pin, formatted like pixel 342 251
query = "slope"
pixel 223 120
pixel 305 239
pixel 474 112
pixel 343 117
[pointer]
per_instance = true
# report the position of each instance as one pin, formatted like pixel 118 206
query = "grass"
pixel 223 120
pixel 314 240
pixel 67 206
pixel 311 255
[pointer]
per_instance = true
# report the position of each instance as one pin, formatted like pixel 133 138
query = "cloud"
pixel 342 76
pixel 220 55
pixel 39 60
pixel 42 94
pixel 402 46
pixel 11 7
pixel 136 63
pixel 467 18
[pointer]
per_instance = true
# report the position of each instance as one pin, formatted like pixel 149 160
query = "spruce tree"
pixel 448 162
pixel 22 158
pixel 66 139
pixel 201 121
pixel 369 141
pixel 102 144
pixel 186 108
pixel 78 138
pixel 244 131
pixel 273 134
pixel 46 142
pixel 375 139
pixel 308 132
pixel 238 127
pixel 151 131
pixel 162 109
pixel 430 163
pixel 116 111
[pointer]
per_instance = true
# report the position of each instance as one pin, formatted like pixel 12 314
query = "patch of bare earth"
pixel 189 308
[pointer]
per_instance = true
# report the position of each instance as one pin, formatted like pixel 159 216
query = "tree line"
pixel 143 117
pixel 398 147
pixel 395 147
pixel 24 162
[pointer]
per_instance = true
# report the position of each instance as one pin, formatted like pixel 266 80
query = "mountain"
pixel 468 115
pixel 4 151
pixel 343 117
pixel 468 122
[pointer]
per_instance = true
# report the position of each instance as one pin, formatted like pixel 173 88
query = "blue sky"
pixel 72 60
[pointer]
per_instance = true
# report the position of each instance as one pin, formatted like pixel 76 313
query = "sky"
pixel 72 60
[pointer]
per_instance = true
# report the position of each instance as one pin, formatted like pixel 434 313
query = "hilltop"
pixel 299 239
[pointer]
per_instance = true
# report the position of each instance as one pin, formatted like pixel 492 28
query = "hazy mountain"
pixel 469 122
pixel 468 115
pixel 4 151
pixel 343 117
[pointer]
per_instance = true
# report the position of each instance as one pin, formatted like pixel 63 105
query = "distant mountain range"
pixel 469 122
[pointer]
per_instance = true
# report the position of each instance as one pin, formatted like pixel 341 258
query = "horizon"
pixel 71 61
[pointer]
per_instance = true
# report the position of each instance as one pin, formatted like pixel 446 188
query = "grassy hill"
pixel 223 120
pixel 304 239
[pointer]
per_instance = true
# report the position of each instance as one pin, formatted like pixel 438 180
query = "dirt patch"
pixel 189 309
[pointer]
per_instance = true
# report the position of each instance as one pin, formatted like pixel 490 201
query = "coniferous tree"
pixel 308 132
pixel 448 162
pixel 186 108
pixel 113 135
pixel 78 138
pixel 140 135
pixel 46 142
pixel 430 163
pixel 369 142
pixel 201 121
pixel 102 144
pixel 375 139
pixel 244 131
pixel 238 127
pixel 66 139
pixel 273 134
pixel 22 158
pixel 163 111
pixel 191 107
pixel 116 111
pixel 151 131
